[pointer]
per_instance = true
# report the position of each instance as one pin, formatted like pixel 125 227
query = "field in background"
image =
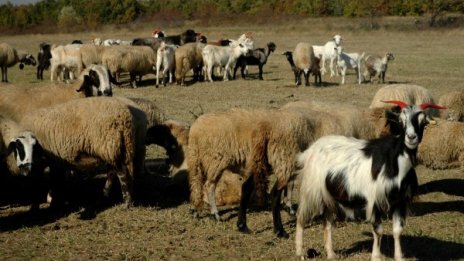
pixel 162 228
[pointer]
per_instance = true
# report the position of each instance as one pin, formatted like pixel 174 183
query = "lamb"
pixel 137 60
pixel 188 57
pixel 9 56
pixel 43 58
pixel 305 60
pixel 65 58
pixel 376 66
pixel 254 143
pixel 347 174
pixel 165 57
pixel 222 56
pixel 349 61
pixel 327 52
pixel 75 139
pixel 409 93
pixel 258 57
pixel 454 102
pixel 442 146
pixel 16 101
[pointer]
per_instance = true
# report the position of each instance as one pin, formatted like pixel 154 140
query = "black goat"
pixel 258 57
pixel 43 58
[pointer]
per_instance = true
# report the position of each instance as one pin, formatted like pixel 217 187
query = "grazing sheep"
pixel 258 57
pixel 9 56
pixel 254 143
pixel 75 139
pixel 305 60
pixel 188 57
pixel 367 177
pixel 16 101
pixel 327 52
pixel 43 59
pixel 454 102
pixel 165 58
pixel 375 67
pixel 409 93
pixel 349 61
pixel 442 146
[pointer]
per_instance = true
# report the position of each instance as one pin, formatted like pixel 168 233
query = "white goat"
pixel 328 52
pixel 375 176
pixel 222 56
pixel 165 57
pixel 349 61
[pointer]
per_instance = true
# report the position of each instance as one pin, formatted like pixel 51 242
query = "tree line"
pixel 52 15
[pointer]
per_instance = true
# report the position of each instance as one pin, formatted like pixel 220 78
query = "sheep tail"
pixel 260 168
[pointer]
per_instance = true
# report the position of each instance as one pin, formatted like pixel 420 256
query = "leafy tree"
pixel 68 18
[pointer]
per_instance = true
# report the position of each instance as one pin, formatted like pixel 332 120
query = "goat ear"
pixel 11 147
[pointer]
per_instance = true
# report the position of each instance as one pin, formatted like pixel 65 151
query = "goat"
pixel 222 56
pixel 377 176
pixel 43 59
pixel 258 57
pixel 327 52
pixel 349 61
pixel 377 66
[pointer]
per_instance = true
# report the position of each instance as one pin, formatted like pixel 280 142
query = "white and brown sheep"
pixel 305 61
pixel 454 102
pixel 188 57
pixel 65 58
pixel 75 139
pixel 375 67
pixel 9 56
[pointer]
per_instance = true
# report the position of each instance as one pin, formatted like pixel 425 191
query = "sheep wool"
pixel 454 103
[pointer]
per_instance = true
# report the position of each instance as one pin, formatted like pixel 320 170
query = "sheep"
pixel 91 54
pixel 74 139
pixel 165 57
pixel 454 102
pixel 258 57
pixel 100 78
pixel 43 59
pixel 188 57
pixel 253 143
pixel 376 66
pixel 305 60
pixel 347 174
pixel 65 57
pixel 409 93
pixel 327 52
pixel 222 56
pixel 155 115
pixel 16 101
pixel 20 152
pixel 442 146
pixel 9 56
pixel 349 61
pixel 137 60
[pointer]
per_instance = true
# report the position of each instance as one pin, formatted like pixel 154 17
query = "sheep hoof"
pixel 216 217
pixel 281 234
pixel 243 228
pixel 312 253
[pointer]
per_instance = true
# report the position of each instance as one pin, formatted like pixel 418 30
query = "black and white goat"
pixel 258 57
pixel 376 176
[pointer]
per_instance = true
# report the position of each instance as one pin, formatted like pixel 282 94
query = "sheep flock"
pixel 324 161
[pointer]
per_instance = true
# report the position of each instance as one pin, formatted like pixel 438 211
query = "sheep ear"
pixel 11 147
pixel 21 66
pixel 86 86
pixel 93 75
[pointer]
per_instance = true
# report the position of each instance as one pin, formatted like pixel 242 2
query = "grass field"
pixel 161 227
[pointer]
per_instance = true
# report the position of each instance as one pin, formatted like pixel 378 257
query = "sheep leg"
pixel 211 193
pixel 300 223
pixel 377 231
pixel 276 194
pixel 126 186
pixel 398 223
pixel 247 189
pixel 328 238
pixel 306 76
pixel 288 198
pixel 4 74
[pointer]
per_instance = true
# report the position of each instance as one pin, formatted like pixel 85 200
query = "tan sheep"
pixel 454 102
pixel 9 56
pixel 305 61
pixel 188 57
pixel 442 145
pixel 75 139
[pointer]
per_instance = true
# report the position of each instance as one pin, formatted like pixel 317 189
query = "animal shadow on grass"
pixel 414 247
pixel 451 187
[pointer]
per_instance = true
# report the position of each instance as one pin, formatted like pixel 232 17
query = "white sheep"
pixel 225 56
pixel 375 67
pixel 65 58
pixel 74 139
pixel 327 52
pixel 454 102
pixel 165 58
pixel 349 61
pixel 9 56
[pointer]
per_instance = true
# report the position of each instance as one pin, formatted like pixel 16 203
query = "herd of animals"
pixel 358 162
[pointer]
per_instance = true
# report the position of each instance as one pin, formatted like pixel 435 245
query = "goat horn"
pixel 429 105
pixel 399 103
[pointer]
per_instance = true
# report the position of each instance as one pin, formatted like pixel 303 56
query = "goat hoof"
pixel 243 228
pixel 281 234
pixel 312 253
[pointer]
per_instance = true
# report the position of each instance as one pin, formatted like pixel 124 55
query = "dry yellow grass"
pixel 162 229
